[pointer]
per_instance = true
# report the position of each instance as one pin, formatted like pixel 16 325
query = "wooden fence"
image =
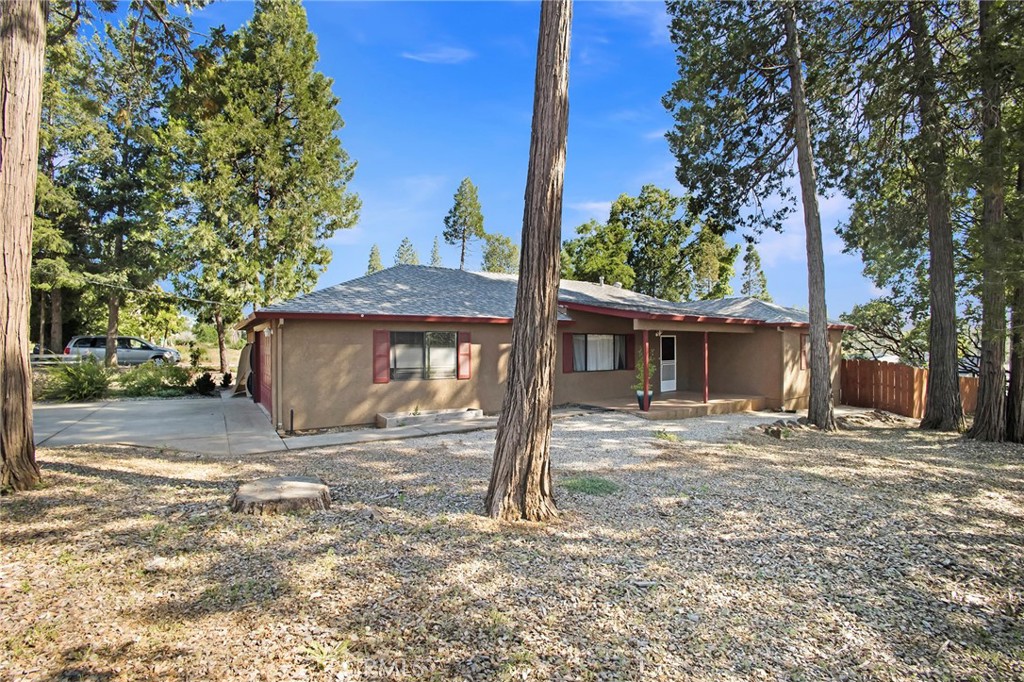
pixel 894 388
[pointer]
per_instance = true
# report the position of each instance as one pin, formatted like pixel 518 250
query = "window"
pixel 598 352
pixel 423 355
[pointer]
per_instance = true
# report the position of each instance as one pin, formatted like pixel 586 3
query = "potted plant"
pixel 638 384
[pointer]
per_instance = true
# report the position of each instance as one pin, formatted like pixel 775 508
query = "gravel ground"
pixel 881 552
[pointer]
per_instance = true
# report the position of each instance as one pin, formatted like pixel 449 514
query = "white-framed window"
pixel 598 352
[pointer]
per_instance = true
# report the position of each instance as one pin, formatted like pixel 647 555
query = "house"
pixel 413 338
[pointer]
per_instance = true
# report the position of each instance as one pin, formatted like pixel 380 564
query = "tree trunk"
pixel 520 486
pixel 819 412
pixel 218 321
pixel 113 312
pixel 57 320
pixel 22 43
pixel 1015 397
pixel 41 338
pixel 943 410
pixel 462 257
pixel 990 417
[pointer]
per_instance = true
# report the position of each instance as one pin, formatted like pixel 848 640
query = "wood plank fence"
pixel 894 388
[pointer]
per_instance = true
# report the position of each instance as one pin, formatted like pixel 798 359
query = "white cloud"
pixel 658 134
pixel 598 210
pixel 651 15
pixel 441 55
pixel 787 246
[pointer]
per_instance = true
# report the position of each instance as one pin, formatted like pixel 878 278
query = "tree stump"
pixel 281 495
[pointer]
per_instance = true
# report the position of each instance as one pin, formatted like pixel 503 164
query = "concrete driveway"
pixel 214 426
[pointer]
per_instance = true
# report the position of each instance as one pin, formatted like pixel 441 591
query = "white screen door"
pixel 668 363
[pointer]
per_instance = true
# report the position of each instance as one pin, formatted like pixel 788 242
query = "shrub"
pixel 151 379
pixel 85 380
pixel 204 384
pixel 195 354
pixel 225 380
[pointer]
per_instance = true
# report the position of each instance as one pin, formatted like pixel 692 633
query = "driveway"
pixel 214 426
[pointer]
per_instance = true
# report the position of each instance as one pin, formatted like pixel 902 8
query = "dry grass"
pixel 878 553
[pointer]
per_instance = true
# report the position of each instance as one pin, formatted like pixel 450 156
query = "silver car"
pixel 131 350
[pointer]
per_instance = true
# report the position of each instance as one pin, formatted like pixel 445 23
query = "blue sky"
pixel 434 92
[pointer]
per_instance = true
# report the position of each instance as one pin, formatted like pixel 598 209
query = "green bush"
pixel 151 379
pixel 204 384
pixel 85 380
pixel 225 380
pixel 206 334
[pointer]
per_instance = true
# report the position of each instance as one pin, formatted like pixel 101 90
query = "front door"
pixel 668 363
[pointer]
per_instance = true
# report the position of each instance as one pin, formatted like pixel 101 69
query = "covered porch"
pixel 686 405
pixel 694 369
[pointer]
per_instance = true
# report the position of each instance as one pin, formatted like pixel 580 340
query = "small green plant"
pixel 225 380
pixel 195 354
pixel 662 434
pixel 85 380
pixel 322 656
pixel 652 371
pixel 151 379
pixel 590 485
pixel 416 411
pixel 204 384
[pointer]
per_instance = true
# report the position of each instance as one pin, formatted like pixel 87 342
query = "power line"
pixel 149 292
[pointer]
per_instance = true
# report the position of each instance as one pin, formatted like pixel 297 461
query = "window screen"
pixel 598 352
pixel 423 355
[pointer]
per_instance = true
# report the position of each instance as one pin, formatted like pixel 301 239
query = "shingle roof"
pixel 421 291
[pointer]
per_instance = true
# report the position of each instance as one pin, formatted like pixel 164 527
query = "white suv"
pixel 130 350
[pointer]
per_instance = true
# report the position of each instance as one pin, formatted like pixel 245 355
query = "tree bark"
pixel 520 487
pixel 1015 396
pixel 943 409
pixel 41 338
pixel 57 320
pixel 113 313
pixel 819 411
pixel 990 416
pixel 22 44
pixel 218 321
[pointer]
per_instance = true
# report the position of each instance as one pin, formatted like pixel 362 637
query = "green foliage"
pixel 80 381
pixel 269 176
pixel 712 264
pixel 882 328
pixel 590 485
pixel 658 229
pixel 638 377
pixel 374 265
pixel 501 254
pixel 465 221
pixel 662 434
pixel 435 254
pixel 206 334
pixel 195 355
pixel 754 282
pixel 599 251
pixel 406 254
pixel 204 384
pixel 151 379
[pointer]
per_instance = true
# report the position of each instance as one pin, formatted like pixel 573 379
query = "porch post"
pixel 706 367
pixel 647 374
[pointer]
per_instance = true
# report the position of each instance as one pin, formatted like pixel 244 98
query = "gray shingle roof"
pixel 421 291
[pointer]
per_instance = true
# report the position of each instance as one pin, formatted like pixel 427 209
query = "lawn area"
pixel 878 553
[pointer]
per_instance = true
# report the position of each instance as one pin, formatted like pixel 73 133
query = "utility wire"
pixel 149 292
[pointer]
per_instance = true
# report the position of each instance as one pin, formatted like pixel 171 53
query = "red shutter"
pixel 567 353
pixel 381 356
pixel 630 351
pixel 465 356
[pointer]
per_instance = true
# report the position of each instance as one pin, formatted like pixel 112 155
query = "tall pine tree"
pixel 755 284
pixel 464 222
pixel 375 264
pixel 406 253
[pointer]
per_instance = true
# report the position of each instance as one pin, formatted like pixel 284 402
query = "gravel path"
pixel 878 553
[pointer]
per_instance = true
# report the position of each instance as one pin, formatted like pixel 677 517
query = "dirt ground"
pixel 881 552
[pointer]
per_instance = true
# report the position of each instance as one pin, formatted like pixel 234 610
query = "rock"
pixel 281 495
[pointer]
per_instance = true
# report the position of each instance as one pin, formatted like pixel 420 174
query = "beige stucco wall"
pixel 797 380
pixel 324 369
pixel 327 374
pixel 581 387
